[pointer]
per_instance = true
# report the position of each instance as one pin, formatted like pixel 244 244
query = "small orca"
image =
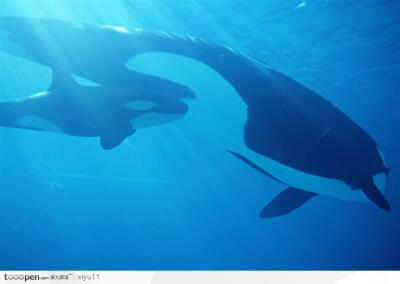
pixel 106 112
pixel 264 118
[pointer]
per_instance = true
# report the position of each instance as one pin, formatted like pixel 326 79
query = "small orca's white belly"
pixel 219 115
pixel 37 122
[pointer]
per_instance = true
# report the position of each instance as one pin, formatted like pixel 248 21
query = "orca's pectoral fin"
pixel 111 140
pixel 253 165
pixel 286 201
pixel 375 195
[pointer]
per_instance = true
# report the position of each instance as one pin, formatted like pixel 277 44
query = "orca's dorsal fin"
pixel 62 80
pixel 285 202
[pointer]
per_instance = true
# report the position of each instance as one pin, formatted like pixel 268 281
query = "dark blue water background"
pixel 167 200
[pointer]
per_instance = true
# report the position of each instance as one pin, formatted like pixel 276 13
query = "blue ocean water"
pixel 166 199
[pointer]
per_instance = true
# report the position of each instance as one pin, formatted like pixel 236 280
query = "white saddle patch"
pixel 115 28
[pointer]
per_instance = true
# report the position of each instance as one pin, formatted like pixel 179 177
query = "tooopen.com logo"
pixel 21 277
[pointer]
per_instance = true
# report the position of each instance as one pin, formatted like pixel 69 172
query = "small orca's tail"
pixel 375 195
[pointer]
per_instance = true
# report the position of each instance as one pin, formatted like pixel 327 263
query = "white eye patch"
pixel 140 105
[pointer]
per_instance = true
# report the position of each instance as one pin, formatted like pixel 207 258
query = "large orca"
pixel 107 112
pixel 262 117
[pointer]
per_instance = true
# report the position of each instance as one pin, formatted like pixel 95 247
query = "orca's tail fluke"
pixel 375 195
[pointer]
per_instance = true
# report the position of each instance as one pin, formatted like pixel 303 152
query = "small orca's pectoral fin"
pixel 111 140
pixel 375 195
pixel 286 201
